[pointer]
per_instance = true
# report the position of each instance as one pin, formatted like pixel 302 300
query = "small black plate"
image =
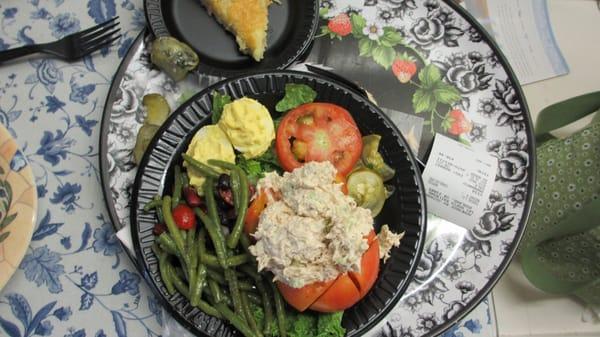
pixel 292 26
pixel 404 211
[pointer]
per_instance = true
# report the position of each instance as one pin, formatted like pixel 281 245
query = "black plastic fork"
pixel 74 46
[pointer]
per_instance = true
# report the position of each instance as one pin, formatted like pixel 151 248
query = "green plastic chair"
pixel 560 251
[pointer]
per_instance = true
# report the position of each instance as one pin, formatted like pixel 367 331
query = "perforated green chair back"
pixel 560 251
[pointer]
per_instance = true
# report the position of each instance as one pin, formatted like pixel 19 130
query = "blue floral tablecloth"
pixel 75 279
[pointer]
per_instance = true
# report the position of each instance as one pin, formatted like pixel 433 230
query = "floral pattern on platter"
pixel 423 45
pixel 435 53
pixel 439 85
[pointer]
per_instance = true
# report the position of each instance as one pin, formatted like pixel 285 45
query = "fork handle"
pixel 14 53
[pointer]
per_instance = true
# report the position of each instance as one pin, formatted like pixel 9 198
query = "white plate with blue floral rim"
pixel 18 205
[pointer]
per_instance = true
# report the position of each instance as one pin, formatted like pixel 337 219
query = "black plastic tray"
pixel 404 211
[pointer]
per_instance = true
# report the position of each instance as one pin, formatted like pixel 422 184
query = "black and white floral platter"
pixel 426 59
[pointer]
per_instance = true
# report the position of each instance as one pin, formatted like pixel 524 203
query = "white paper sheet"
pixel 523 30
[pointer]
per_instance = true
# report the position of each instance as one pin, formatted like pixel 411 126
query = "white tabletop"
pixel 521 309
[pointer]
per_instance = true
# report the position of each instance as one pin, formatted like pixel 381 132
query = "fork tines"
pixel 99 36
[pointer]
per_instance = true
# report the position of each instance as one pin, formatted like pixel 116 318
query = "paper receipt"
pixel 458 181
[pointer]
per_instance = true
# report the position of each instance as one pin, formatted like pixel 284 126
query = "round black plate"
pixel 292 26
pixel 404 211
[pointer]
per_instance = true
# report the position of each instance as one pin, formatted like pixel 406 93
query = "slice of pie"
pixel 246 19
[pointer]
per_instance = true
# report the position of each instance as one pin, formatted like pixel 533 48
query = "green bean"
pixel 249 316
pixel 179 284
pixel 167 243
pixel 192 249
pixel 177 187
pixel 168 249
pixel 201 242
pixel 214 290
pixel 262 297
pixel 191 239
pixel 163 269
pixel 159 215
pixel 192 282
pixel 245 241
pixel 210 261
pixel 235 189
pixel 216 276
pixel 172 226
pixel 234 290
pixel 251 271
pixel 202 305
pixel 220 279
pixel 152 204
pixel 211 204
pixel 213 226
pixel 223 295
pixel 279 310
pixel 203 169
pixel 179 272
pixel 192 252
pixel 198 285
pixel 232 261
pixel 253 297
pixel 185 180
pixel 238 260
pixel 209 309
pixel 234 237
pixel 267 305
pixel 223 164
pixel 246 285
pixel 183 234
pixel 235 320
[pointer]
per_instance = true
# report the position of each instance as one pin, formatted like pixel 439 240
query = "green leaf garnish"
pixel 295 95
pixel 330 325
pixel 218 102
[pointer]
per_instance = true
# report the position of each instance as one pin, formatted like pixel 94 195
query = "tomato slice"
pixel 318 132
pixel 302 298
pixel 253 213
pixel 341 293
pixel 371 237
pixel 369 269
pixel 340 179
pixel 340 296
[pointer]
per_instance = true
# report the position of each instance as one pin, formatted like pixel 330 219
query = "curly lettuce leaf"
pixel 295 95
pixel 330 325
pixel 218 102
pixel 304 325
pixel 257 167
